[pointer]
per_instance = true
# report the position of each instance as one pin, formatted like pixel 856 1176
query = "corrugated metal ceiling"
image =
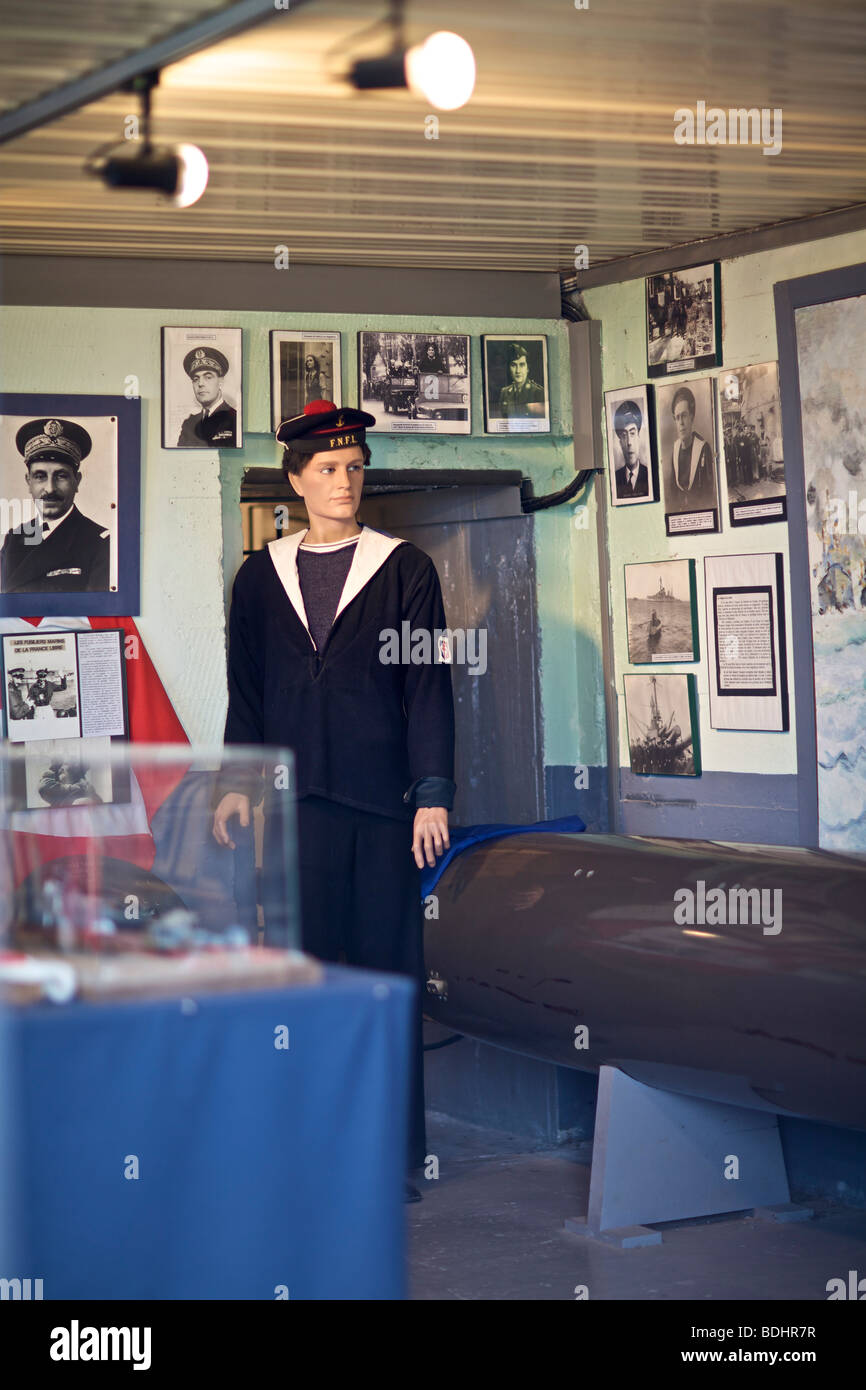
pixel 568 139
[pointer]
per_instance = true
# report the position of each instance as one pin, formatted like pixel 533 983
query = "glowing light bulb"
pixel 442 70
pixel 192 175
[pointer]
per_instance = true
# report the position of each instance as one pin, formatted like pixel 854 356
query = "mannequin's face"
pixel 331 483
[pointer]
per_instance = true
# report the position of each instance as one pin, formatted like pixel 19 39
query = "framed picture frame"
pixel 686 417
pixel 415 382
pixel 752 444
pixel 662 722
pixel 202 388
pixel 66 684
pixel 662 612
pixel 65 700
pixel 746 642
pixel 70 514
pixel 684 320
pixel 516 383
pixel 59 774
pixel 305 366
pixel 632 460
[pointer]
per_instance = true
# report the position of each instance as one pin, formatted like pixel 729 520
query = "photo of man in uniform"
pixel 18 707
pixel 61 550
pixel 44 687
pixel 373 740
pixel 215 423
pixel 522 396
pixel 632 479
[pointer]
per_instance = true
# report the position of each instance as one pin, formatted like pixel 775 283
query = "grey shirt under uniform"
pixel 322 571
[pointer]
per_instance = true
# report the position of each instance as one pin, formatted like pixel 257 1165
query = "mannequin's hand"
pixel 232 804
pixel 429 834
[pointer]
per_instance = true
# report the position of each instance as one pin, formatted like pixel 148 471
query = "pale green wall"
pixel 638 533
pixel 186 500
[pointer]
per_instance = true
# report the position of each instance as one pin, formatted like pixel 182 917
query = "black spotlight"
pixel 178 171
pixel 441 70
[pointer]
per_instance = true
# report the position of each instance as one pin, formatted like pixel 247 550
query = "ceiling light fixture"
pixel 441 70
pixel 178 171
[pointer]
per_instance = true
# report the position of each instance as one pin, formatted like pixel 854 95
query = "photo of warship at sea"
pixel 660 612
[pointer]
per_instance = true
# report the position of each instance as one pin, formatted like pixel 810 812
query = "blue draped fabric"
pixel 470 835
pixel 258 1167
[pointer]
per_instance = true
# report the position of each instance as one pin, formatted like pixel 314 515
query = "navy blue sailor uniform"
pixel 373 740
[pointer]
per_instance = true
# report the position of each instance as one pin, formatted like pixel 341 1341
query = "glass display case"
pixel 132 869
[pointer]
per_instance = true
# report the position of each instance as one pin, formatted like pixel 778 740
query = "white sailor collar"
pixel 371 552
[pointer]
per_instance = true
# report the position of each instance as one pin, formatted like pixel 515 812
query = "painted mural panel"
pixel 831 349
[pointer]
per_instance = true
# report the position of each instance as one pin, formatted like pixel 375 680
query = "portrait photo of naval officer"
pixel 631 458
pixel 201 388
pixel 57 545
pixel 632 480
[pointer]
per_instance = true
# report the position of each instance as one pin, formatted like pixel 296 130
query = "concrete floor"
pixel 491 1227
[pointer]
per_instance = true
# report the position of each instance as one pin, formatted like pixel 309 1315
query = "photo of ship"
pixel 661 613
pixel 661 725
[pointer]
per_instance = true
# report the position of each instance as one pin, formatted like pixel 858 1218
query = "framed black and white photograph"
pixel 64 685
pixel 752 437
pixel 631 450
pixel 415 383
pixel 662 721
pixel 746 642
pixel 305 367
pixel 687 453
pixel 516 383
pixel 64 773
pixel 662 611
pixel 70 506
pixel 202 388
pixel 684 320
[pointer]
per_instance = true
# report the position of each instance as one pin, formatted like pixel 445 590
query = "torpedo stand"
pixel 660 1156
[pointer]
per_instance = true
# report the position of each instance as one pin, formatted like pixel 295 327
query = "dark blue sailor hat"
pixel 202 359
pixel 59 440
pixel 323 425
pixel 627 413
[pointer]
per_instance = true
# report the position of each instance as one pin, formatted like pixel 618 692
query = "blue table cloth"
pixel 262 1171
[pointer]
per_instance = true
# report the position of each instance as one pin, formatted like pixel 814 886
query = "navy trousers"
pixel 361 901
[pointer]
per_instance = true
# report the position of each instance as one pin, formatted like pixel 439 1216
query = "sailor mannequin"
pixel 373 741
